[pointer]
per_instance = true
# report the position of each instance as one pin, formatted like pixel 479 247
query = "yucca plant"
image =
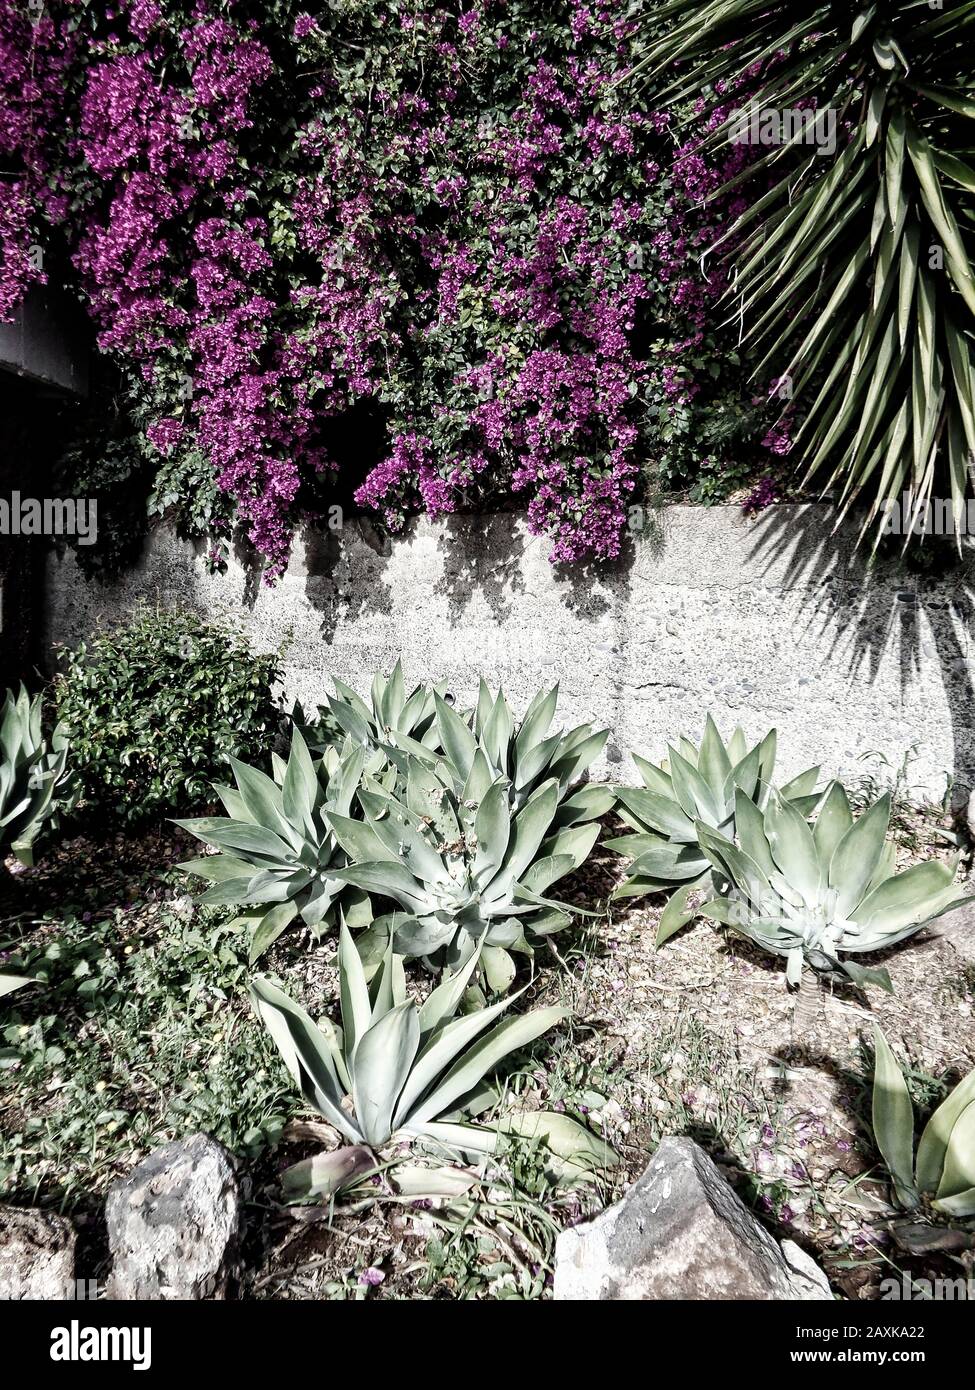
pixel 815 893
pixel 941 1177
pixel 277 847
pixel 466 873
pixel 393 1069
pixel 694 784
pixel 35 783
pixel 853 268
pixel 489 744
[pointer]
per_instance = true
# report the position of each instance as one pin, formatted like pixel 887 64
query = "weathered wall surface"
pixel 764 623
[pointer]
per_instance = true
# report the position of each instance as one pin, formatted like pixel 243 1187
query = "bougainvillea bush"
pixel 452 217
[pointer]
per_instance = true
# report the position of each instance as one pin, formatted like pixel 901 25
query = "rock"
pixel 36 1254
pixel 173 1223
pixel 958 929
pixel 681 1232
pixel 970 814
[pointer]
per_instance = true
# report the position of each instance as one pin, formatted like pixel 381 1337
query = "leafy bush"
pixel 157 707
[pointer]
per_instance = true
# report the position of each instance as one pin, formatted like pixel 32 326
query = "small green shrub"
pixel 157 707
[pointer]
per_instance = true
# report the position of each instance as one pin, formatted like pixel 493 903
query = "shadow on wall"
pixel 925 616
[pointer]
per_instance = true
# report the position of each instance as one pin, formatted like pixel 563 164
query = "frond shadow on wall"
pixel 925 615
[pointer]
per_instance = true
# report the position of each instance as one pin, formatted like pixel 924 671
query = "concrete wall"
pixel 46 342
pixel 769 622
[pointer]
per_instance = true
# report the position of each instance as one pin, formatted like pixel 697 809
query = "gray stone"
pixel 772 624
pixel 970 814
pixel 173 1224
pixel 681 1232
pixel 36 1254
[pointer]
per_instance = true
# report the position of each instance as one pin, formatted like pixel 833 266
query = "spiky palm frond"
pixel 853 273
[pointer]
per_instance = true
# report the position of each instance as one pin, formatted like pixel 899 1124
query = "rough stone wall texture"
pixel 765 622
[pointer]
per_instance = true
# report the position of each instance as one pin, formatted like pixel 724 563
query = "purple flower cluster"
pixel 35 54
pixel 465 228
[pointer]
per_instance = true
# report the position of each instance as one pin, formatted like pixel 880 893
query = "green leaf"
pixel 305 1052
pixel 563 1136
pixel 834 820
pixel 855 857
pixel 299 792
pixel 499 969
pixel 353 992
pixel 381 1064
pixel 893 1121
pixel 459 743
pixel 9 982
pixel 510 1036
pixel 676 914
pixel 959 1170
pixel 914 896
pixel 933 1144
pixel 325 1174
pixel 492 827
pixel 270 927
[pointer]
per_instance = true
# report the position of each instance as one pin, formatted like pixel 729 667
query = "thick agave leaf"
pixel 911 898
pixel 937 1135
pixel 578 1148
pixel 893 1121
pixel 855 858
pixel 490 1050
pixel 325 1174
pixel 10 982
pixel 305 1052
pixel 958 1175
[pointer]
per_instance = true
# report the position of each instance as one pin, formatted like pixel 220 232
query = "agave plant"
pixel 942 1174
pixel 277 847
pixel 35 782
pixel 390 711
pixel 9 982
pixel 694 785
pixel 489 744
pixel 853 265
pixel 812 894
pixel 409 1071
pixel 465 872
